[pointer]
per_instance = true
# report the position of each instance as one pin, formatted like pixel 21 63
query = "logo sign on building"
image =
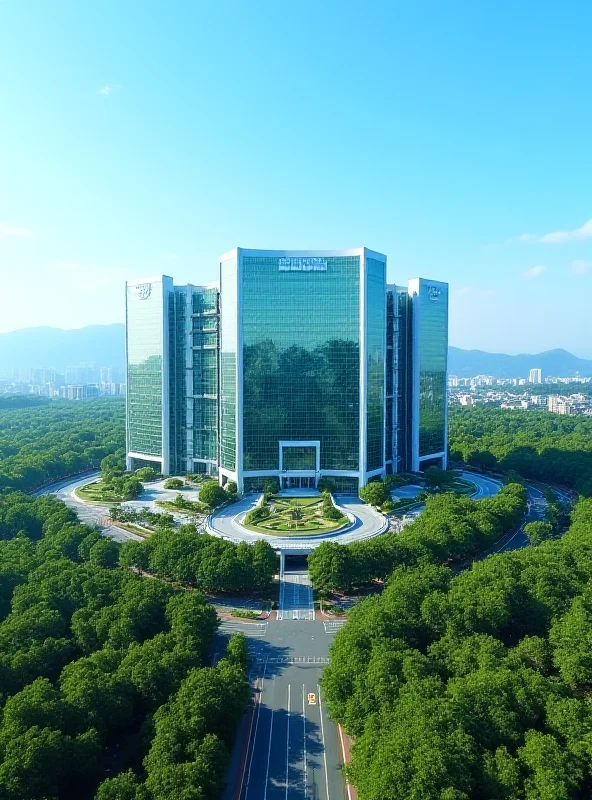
pixel 302 264
pixel 143 290
pixel 433 292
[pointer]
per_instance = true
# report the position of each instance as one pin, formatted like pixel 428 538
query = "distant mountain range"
pixel 105 346
pixel 558 363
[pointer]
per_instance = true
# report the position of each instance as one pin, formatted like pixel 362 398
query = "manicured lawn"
pixel 282 521
pixel 95 493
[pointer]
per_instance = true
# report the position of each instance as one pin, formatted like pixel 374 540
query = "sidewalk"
pixel 346 743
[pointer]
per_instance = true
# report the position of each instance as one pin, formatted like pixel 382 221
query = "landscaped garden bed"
pixel 295 516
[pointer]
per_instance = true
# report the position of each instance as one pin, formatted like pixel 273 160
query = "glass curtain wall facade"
pixel 301 354
pixel 147 349
pixel 228 363
pixel 202 377
pixel 302 365
pixel 172 370
pixel 375 318
pixel 430 365
pixel 398 379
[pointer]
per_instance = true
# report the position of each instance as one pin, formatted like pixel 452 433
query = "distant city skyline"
pixel 150 149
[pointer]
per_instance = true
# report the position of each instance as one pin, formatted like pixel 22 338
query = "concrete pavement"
pixel 296 597
pixel 87 513
pixel 367 522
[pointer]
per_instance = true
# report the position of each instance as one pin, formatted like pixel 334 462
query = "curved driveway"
pixel 367 523
pixel 87 513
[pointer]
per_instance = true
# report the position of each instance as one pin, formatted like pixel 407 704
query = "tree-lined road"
pixel 288 749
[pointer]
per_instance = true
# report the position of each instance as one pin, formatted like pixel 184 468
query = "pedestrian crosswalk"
pixel 296 613
pixel 248 628
pixel 294 660
pixel 331 627
pixel 296 597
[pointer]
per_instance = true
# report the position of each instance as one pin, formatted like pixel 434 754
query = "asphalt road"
pixel 87 513
pixel 288 749
pixel 367 523
pixel 537 508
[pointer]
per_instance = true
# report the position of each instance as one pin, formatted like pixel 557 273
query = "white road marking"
pixel 304 731
pixel 347 786
pixel 256 727
pixel 323 740
pixel 269 752
pixel 332 627
pixel 250 629
pixel 288 744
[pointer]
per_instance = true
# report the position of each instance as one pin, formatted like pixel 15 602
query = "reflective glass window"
pixel 300 322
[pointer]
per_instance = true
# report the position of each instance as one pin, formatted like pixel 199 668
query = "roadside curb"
pixel 346 743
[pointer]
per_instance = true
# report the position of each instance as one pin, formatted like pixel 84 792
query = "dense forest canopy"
pixel 104 671
pixel 537 444
pixel 475 686
pixel 450 529
pixel 90 653
pixel 40 444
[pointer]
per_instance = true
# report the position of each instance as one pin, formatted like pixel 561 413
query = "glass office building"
pixel 429 414
pixel 302 364
pixel 172 372
pixel 302 359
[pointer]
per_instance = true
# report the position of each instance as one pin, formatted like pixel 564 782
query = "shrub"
pixel 271 486
pixel 326 485
pixel 174 483
pixel 331 513
pixel 212 494
pixel 145 474
pixel 257 514
pixel 375 493
pixel 231 487
pixel 394 481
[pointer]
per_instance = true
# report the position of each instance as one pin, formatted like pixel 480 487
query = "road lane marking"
pixel 255 735
pixel 269 751
pixel 288 744
pixel 347 786
pixel 323 740
pixel 304 731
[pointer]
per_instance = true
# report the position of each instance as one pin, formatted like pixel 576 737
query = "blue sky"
pixel 143 137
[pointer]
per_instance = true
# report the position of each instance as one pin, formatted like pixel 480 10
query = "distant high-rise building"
pixel 560 405
pixel 302 365
pixel 535 376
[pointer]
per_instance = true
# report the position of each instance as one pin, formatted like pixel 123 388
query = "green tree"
pixel 42 762
pixel 237 650
pixel 212 494
pixel 104 553
pixel 538 532
pixel 124 786
pixel 145 474
pixel 374 493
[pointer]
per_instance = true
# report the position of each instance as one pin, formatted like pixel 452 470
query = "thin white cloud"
pixel 581 267
pixel 108 89
pixel 558 237
pixel 535 272
pixel 7 229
